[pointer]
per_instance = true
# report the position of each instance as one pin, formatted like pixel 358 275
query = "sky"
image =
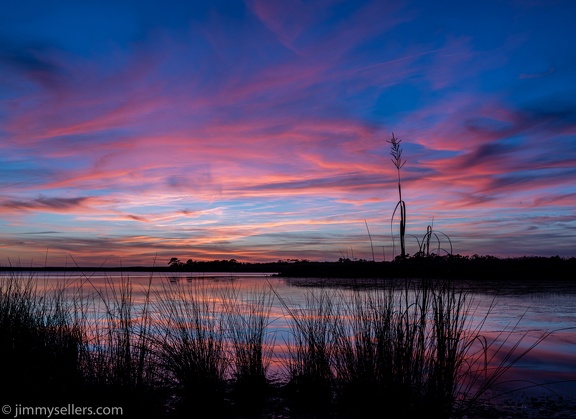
pixel 132 132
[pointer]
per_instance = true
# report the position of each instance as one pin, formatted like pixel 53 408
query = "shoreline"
pixel 440 267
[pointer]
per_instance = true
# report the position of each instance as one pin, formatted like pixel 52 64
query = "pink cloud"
pixel 280 117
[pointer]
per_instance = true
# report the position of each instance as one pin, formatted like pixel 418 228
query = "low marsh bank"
pixel 478 268
pixel 175 349
pixel 432 266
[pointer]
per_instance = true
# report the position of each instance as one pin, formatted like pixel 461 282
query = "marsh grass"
pixel 487 360
pixel 309 364
pixel 399 349
pixel 118 362
pixel 39 341
pixel 247 319
pixel 407 348
pixel 189 342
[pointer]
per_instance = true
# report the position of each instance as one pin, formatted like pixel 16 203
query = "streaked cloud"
pixel 257 130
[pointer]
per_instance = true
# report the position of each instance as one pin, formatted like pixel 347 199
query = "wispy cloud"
pixel 44 204
pixel 256 129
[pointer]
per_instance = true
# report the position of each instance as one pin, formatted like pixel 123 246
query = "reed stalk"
pixel 396 153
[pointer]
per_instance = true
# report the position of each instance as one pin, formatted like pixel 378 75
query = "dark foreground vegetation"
pixel 187 350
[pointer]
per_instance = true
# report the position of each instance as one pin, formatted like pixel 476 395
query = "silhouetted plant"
pixel 371 243
pixel 189 342
pixel 424 245
pixel 309 366
pixel 118 363
pixel 40 341
pixel 408 345
pixel 396 153
pixel 246 320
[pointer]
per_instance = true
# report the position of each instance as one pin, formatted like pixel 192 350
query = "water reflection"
pixel 512 316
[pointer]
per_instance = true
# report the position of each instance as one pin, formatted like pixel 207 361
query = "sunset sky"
pixel 257 129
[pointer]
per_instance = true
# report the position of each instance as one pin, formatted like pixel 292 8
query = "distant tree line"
pixel 177 263
pixel 231 265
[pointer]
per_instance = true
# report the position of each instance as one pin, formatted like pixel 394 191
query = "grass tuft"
pixel 189 342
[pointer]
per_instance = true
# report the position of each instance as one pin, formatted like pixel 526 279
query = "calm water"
pixel 509 311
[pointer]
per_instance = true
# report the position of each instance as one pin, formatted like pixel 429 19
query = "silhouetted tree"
pixel 175 262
